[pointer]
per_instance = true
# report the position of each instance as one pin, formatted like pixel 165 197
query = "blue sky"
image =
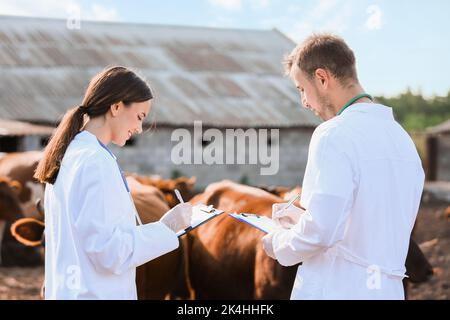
pixel 398 43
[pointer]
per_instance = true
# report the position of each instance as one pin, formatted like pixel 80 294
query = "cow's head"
pixel 12 252
pixel 184 185
pixel 167 187
pixel 9 204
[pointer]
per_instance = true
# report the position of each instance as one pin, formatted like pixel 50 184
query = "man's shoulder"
pixel 331 130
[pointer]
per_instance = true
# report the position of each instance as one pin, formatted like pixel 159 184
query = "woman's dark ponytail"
pixel 70 125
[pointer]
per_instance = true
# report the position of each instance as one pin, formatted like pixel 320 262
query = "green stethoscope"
pixel 353 100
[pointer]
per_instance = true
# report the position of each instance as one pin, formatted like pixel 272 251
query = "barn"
pixel 438 152
pixel 22 136
pixel 223 108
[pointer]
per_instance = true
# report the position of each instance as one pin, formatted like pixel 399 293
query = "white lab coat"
pixel 92 242
pixel 361 190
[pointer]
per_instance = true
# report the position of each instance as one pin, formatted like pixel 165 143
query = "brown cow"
pixel 284 192
pixel 418 268
pixel 12 252
pixel 276 190
pixel 167 187
pixel 158 279
pixel 226 251
pixel 226 259
pixel 20 166
pixel 163 277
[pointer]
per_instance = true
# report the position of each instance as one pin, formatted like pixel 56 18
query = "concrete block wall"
pixel 151 154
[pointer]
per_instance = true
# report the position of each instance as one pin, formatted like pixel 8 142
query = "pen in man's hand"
pixel 291 202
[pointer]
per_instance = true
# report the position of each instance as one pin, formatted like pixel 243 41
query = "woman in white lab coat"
pixel 94 239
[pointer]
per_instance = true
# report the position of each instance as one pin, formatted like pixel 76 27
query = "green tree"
pixel 415 112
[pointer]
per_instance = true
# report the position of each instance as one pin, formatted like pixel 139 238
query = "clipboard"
pixel 262 223
pixel 201 214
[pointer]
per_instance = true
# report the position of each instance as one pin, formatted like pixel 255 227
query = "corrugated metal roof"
pixel 441 128
pixel 223 77
pixel 17 128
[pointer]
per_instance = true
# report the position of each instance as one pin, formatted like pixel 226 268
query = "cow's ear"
pixel 28 231
pixel 447 213
pixel 16 186
pixel 40 209
pixel 192 180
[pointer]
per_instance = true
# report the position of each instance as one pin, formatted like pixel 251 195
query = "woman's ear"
pixel 115 108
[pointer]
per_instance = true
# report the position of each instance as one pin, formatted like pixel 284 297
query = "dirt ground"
pixel 432 233
pixel 21 283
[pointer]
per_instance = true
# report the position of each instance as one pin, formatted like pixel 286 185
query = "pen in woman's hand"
pixel 178 194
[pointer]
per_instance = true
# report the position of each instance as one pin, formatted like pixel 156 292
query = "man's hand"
pixel 267 245
pixel 179 217
pixel 286 217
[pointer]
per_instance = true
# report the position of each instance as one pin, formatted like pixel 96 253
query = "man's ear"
pixel 322 77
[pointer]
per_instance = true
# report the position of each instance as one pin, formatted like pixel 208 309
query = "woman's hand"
pixel 179 217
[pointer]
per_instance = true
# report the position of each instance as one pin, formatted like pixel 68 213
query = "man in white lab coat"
pixel 361 189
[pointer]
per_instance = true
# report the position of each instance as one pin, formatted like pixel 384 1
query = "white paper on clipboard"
pixel 262 223
pixel 200 215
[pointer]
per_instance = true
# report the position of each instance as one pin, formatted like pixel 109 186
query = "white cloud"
pixel 326 16
pixel 338 23
pixel 375 19
pixel 294 8
pixel 300 30
pixel 260 4
pixel 236 5
pixel 8 8
pixel 222 22
pixel 227 4
pixel 102 13
pixel 43 8
pixel 324 7
pixel 62 9
pixel 280 22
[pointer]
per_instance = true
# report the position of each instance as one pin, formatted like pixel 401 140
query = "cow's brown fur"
pixel 227 260
pixel 167 187
pixel 162 277
pixel 9 203
pixel 225 251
